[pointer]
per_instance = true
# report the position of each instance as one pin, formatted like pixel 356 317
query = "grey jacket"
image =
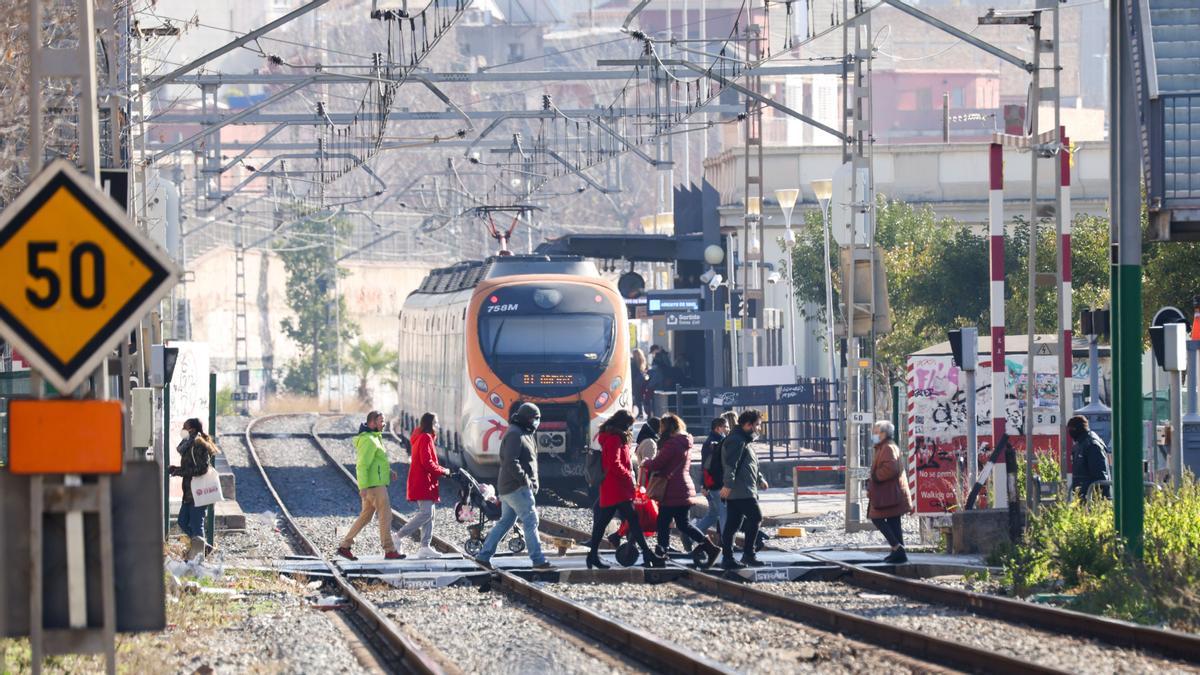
pixel 518 462
pixel 741 478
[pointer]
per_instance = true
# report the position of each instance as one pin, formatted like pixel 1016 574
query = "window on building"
pixel 957 98
pixel 516 51
pixel 924 99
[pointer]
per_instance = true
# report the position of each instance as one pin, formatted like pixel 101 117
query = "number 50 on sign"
pixel 75 275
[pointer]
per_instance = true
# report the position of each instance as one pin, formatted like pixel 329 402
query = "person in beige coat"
pixel 887 489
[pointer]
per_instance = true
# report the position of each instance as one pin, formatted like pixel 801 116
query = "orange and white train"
pixel 479 337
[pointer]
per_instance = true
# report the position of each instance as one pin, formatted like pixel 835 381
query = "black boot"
pixel 751 560
pixel 897 556
pixel 653 558
pixel 593 560
pixel 728 562
pixel 710 553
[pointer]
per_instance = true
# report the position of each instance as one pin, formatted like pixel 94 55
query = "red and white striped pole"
pixel 911 468
pixel 1066 365
pixel 996 305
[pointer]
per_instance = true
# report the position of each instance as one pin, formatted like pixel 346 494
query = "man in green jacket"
pixel 374 475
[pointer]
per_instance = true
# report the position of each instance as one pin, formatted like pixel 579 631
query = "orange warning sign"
pixel 57 436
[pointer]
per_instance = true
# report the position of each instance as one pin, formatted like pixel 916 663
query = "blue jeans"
pixel 191 519
pixel 514 505
pixel 716 512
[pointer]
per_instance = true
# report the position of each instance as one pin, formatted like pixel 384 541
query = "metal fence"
pixel 803 419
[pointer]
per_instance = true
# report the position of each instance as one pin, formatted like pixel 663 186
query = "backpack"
pixel 593 468
pixel 712 468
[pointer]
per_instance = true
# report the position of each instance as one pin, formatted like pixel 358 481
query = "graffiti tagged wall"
pixel 937 433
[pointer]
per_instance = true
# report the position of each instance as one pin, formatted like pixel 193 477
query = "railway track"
pixel 401 654
pixel 651 651
pixel 1167 643
pixel 915 649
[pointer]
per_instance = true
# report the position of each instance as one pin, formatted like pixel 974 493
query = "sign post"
pixel 80 277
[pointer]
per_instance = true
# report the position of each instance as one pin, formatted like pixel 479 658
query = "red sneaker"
pixel 393 555
pixel 345 553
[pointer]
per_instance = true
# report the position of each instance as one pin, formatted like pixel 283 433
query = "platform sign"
pixel 77 275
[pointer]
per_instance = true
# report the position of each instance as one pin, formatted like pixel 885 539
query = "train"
pixel 480 337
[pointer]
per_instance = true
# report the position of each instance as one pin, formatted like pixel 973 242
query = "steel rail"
pixel 1167 643
pixel 653 651
pixel 412 657
pixel 877 633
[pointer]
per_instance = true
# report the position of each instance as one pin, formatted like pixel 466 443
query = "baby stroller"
pixel 647 515
pixel 477 501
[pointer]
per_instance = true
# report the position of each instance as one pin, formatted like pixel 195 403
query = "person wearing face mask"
pixel 887 490
pixel 740 485
pixel 196 452
pixel 1089 463
pixel 516 485
pixel 422 485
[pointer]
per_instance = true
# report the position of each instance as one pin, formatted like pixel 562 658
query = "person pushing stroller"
pixel 517 483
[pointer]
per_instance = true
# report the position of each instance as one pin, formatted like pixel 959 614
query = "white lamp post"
pixel 823 189
pixel 753 214
pixel 787 202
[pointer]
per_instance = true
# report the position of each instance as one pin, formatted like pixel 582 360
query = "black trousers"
pixel 679 514
pixel 744 515
pixel 603 515
pixel 890 527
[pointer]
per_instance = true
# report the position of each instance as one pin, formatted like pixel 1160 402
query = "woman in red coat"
pixel 616 490
pixel 423 474
pixel 672 463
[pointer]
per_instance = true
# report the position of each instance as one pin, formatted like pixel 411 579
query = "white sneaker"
pixel 426 552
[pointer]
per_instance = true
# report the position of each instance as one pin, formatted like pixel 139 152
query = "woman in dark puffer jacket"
pixel 672 462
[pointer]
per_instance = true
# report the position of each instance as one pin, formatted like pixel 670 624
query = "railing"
pixel 801 419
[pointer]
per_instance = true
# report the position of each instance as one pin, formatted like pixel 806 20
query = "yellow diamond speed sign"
pixel 77 275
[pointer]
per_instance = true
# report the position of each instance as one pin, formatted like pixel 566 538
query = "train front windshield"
pixel 547 340
pixel 558 338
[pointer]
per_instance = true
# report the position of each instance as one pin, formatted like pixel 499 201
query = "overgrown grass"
pixel 192 620
pixel 1075 548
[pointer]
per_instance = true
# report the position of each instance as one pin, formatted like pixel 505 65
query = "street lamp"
pixel 753 215
pixel 787 201
pixel 823 189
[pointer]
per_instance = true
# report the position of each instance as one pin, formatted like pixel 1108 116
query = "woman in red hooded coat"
pixel 617 489
pixel 423 474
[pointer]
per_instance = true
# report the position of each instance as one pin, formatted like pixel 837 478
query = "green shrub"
pixel 1075 547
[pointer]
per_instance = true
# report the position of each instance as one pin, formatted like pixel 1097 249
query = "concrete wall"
pixel 952 179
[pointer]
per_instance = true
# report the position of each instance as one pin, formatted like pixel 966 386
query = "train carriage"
pixel 479 337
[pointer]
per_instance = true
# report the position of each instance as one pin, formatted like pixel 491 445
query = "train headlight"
pixel 496 401
pixel 601 400
pixel 481 384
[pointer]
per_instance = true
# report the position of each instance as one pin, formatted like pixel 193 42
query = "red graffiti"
pixel 495 428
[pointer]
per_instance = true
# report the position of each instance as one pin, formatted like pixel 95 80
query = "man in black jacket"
pixel 516 484
pixel 1089 462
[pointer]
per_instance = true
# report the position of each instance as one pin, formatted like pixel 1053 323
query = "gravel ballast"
pixel 742 638
pixel 488 633
pixel 1042 647
pixel 828 530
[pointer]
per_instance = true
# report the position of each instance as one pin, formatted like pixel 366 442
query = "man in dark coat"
pixel 1089 462
pixel 516 484
pixel 739 488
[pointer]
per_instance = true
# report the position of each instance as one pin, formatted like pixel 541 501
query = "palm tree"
pixel 369 359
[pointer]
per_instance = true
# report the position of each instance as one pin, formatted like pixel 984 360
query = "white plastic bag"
pixel 206 488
